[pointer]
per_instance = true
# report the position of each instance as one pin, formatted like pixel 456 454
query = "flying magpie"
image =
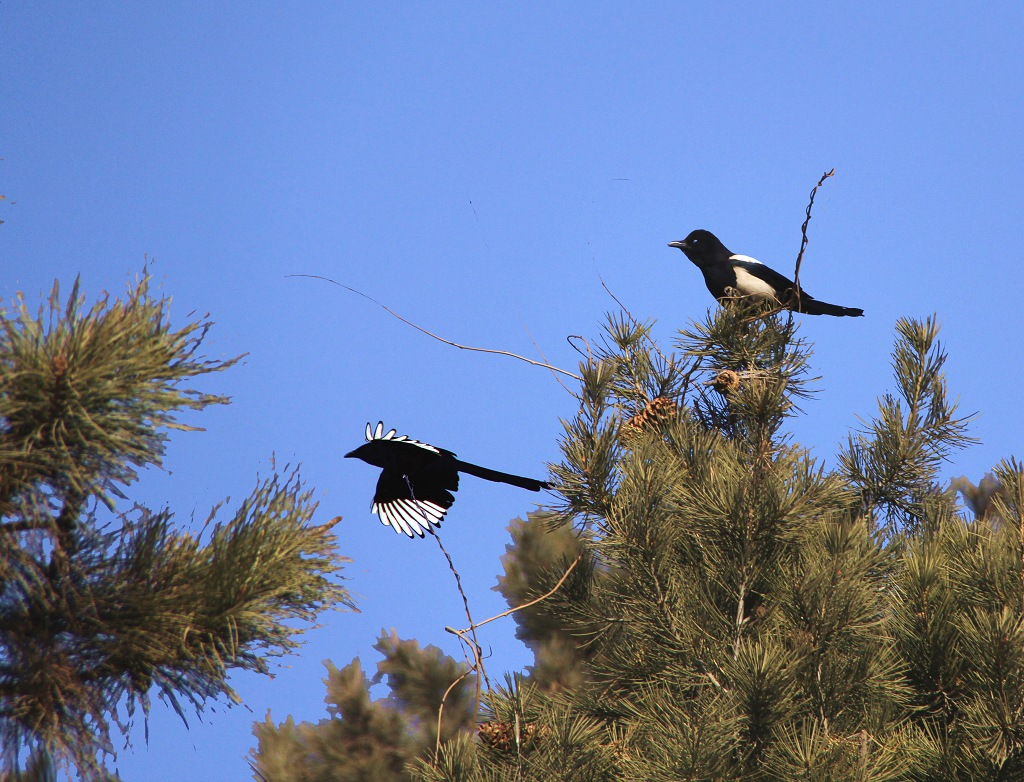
pixel 417 480
pixel 748 277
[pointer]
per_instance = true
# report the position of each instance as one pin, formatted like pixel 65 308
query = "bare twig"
pixel 553 374
pixel 694 367
pixel 473 643
pixel 440 709
pixel 536 600
pixel 478 666
pixel 435 336
pixel 589 355
pixel 632 319
pixel 478 662
pixel 803 237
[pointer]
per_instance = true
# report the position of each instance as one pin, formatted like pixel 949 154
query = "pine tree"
pixel 740 611
pixel 543 548
pixel 362 740
pixel 101 607
pixel 751 615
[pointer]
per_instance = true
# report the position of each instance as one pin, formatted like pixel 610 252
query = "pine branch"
pixel 895 461
pixel 95 616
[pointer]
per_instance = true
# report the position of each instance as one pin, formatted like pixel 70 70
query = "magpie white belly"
pixel 749 285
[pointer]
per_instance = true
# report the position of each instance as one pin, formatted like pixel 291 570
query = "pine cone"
pixel 654 412
pixel 502 735
pixel 725 382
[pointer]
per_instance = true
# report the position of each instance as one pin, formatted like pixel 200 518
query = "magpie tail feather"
pixel 530 484
pixel 811 306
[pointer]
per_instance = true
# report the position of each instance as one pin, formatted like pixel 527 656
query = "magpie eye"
pixel 695 241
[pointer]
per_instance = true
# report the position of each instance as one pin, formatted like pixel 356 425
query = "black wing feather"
pixel 414 511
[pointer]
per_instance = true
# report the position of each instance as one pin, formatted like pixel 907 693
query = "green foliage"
pixel 87 393
pixel 419 680
pixel 360 740
pixel 542 550
pixel 739 612
pixel 959 621
pixel 366 740
pixel 895 462
pixel 98 613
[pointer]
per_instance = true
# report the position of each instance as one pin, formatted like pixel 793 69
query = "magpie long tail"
pixel 530 484
pixel 814 307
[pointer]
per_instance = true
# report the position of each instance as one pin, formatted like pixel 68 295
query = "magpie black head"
pixel 703 248
pixel 368 452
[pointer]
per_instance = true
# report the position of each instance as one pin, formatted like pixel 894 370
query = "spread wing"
pixel 410 504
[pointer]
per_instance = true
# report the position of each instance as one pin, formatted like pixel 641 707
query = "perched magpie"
pixel 417 480
pixel 747 276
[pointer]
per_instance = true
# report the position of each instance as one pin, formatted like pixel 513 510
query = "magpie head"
pixel 386 454
pixel 702 247
pixel 367 452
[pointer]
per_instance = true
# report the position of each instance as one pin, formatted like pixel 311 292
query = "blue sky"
pixel 479 168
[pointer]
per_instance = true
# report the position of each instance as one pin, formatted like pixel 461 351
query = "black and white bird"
pixel 417 480
pixel 746 276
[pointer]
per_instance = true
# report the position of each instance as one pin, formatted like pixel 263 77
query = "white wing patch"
pixel 413 517
pixel 378 433
pixel 744 258
pixel 749 285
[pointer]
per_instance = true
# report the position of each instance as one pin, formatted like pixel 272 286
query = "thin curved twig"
pixel 472 643
pixel 589 354
pixel 435 336
pixel 478 664
pixel 803 236
pixel 475 646
pixel 536 600
pixel 630 316
pixel 553 374
pixel 440 709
